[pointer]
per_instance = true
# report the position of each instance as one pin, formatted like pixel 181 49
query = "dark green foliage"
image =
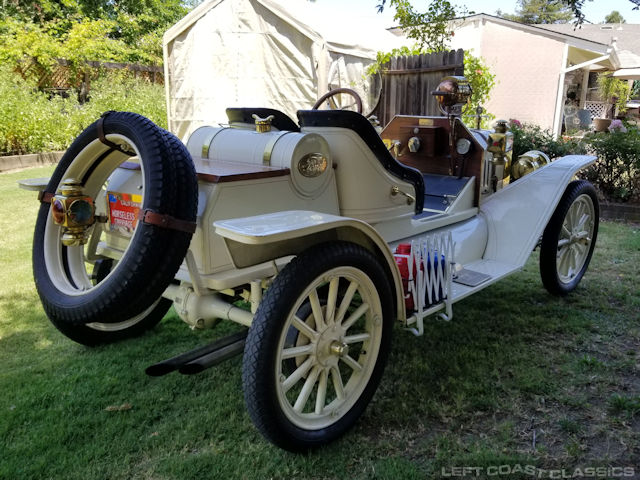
pixel 619 404
pixel 34 123
pixel 617 171
pixel 541 11
pixel 431 29
pixel 79 30
pixel 532 137
pixel 614 17
pixel 482 82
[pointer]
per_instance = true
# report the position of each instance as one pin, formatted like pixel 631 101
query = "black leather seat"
pixel 359 124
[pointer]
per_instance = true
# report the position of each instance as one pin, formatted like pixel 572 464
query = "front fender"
pixel 518 214
pixel 261 238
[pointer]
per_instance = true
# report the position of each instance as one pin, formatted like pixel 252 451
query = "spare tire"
pixel 134 285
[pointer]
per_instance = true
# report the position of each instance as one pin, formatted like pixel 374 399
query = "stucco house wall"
pixel 526 67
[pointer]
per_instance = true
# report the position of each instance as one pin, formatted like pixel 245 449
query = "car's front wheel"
pixel 569 239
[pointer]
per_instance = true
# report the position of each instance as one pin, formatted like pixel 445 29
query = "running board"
pixel 199 359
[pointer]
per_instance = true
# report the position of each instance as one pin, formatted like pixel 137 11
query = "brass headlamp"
pixel 452 93
pixel 529 162
pixel 73 211
pixel 501 146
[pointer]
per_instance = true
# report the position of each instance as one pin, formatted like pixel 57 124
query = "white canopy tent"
pixel 257 53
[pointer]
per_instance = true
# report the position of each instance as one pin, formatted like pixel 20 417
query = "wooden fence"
pixel 407 83
pixel 60 79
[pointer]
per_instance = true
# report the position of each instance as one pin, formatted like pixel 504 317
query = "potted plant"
pixel 614 92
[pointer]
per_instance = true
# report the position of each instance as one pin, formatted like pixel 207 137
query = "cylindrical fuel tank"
pixel 307 155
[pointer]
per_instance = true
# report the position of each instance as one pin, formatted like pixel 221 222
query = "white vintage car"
pixel 317 235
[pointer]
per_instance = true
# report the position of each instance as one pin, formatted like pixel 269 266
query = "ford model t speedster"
pixel 317 235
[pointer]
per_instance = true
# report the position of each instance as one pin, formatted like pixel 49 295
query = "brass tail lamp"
pixel 74 212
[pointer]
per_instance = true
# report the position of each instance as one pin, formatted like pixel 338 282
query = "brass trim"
pixel 206 145
pixel 268 148
pixel 395 190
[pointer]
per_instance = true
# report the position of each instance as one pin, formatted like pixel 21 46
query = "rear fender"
pixel 254 240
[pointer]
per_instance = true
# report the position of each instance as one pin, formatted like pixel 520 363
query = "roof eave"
pixel 568 39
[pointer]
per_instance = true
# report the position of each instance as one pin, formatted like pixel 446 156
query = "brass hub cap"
pixel 330 348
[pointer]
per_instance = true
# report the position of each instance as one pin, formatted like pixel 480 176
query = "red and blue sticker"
pixel 123 211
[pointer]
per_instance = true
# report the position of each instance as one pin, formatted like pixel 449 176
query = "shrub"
pixel 531 137
pixel 616 173
pixel 28 123
pixel 617 170
pixel 613 90
pixel 482 82
pixel 119 91
pixel 32 122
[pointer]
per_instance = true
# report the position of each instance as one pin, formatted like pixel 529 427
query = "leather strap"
pixel 167 221
pixel 45 197
pixel 103 138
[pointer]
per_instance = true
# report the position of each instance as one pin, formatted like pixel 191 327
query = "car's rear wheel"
pixel 318 346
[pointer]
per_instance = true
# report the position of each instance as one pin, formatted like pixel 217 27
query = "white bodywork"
pixel 496 242
pixel 256 210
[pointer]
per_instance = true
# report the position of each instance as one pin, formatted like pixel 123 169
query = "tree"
pixel 432 29
pixel 541 11
pixel 614 17
pixel 482 82
pixel 575 6
pixel 104 30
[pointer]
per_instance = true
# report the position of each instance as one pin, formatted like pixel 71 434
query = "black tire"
pixel 565 243
pixel 94 334
pixel 263 363
pixel 154 254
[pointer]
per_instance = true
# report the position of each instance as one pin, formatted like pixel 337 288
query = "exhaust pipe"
pixel 199 359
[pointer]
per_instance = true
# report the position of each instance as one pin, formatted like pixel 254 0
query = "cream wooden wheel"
pixel 317 346
pixel 335 352
pixel 569 238
pixel 575 239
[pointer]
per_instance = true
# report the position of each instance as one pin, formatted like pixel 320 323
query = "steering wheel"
pixel 338 91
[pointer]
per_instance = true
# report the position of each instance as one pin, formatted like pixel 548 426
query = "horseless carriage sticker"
pixel 123 211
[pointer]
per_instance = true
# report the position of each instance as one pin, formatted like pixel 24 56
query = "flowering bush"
pixel 616 173
pixel 617 125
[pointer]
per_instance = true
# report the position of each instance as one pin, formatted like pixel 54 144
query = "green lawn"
pixel 517 378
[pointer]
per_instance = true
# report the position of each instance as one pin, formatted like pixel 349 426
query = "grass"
pixel 517 378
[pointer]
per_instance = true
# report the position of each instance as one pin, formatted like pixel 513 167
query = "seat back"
pixel 361 126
